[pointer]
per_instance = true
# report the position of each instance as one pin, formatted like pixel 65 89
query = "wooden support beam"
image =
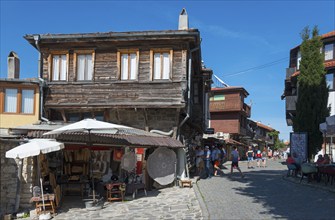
pixel 62 112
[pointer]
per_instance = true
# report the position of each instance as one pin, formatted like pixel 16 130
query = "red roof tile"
pixel 328 63
pixel 329 34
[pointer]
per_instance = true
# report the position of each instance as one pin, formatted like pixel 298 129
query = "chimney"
pixel 183 20
pixel 13 61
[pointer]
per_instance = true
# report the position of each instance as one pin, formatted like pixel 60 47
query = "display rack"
pixel 115 192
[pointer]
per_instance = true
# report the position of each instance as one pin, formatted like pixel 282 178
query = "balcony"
pixel 289 72
pixel 291 102
pixel 247 110
pixel 225 106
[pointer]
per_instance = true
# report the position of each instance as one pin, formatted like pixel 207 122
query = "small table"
pixel 49 202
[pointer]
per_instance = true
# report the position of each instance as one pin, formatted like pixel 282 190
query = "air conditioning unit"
pixel 219 134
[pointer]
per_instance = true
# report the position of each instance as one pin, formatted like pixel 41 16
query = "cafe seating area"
pixel 317 174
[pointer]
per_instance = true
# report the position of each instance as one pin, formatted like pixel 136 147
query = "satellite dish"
pixel 162 165
pixel 128 161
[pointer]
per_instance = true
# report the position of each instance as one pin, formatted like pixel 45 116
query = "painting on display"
pixel 299 144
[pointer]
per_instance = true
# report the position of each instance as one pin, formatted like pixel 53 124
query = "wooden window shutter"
pixel 118 57
pixel 137 64
pixel 75 66
pixel 93 61
pixel 151 65
pixel 171 66
pixel 50 60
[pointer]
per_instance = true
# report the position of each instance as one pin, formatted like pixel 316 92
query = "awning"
pixel 112 139
pixel 233 142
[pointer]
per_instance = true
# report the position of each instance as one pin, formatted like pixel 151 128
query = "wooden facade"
pixel 228 111
pixel 142 101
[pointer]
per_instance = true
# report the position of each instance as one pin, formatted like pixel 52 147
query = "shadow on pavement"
pixel 285 199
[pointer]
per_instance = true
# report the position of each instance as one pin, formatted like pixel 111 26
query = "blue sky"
pixel 236 36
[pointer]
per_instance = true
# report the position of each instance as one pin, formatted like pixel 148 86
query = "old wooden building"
pixel 151 80
pixel 148 80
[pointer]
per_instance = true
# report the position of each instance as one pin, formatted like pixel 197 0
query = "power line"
pixel 256 67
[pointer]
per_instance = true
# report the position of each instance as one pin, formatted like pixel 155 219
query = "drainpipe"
pixel 40 76
pixel 188 103
pixel 162 132
pixel 188 88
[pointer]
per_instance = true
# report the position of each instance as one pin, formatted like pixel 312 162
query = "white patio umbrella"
pixel 88 126
pixel 33 148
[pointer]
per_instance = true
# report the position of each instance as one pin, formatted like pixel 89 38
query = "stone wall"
pixel 9 180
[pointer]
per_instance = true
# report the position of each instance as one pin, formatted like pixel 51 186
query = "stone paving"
pixel 265 193
pixel 168 203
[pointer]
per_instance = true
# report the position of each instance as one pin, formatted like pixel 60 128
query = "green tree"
pixel 311 106
pixel 277 143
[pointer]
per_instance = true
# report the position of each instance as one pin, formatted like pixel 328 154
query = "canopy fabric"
pixel 34 147
pixel 328 126
pixel 86 125
pixel 94 132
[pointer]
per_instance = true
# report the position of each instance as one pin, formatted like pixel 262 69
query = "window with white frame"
pixel 329 51
pixel 298 59
pixel 162 65
pixel 84 67
pixel 27 101
pixel 59 67
pixel 129 66
pixel 11 100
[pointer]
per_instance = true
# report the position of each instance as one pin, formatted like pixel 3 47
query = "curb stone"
pixel 317 186
pixel 204 210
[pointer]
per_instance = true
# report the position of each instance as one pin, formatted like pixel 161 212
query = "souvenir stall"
pixel 102 159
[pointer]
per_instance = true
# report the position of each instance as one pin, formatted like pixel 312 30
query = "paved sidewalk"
pixel 265 193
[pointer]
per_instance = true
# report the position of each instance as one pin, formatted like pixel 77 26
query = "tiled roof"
pixel 329 34
pixel 323 36
pixel 109 139
pixel 295 73
pixel 231 88
pixel 264 126
pixel 329 63
pixel 233 142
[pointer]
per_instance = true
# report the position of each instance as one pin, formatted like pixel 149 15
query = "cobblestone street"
pixel 265 193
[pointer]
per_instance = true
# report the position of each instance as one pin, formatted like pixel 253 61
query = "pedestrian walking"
pixel 235 157
pixel 264 155
pixel 250 156
pixel 258 158
pixel 199 153
pixel 207 160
